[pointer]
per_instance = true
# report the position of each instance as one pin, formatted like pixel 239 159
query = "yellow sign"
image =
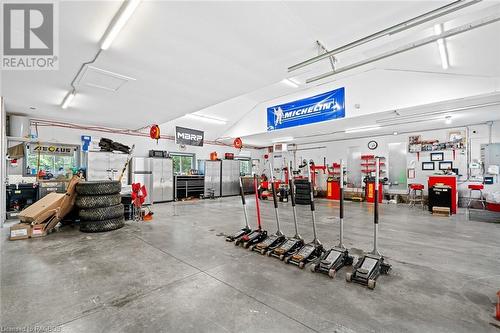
pixel 52 149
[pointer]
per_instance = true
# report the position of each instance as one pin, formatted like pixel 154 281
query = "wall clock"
pixel 372 145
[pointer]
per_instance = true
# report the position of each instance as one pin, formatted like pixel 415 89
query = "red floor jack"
pixel 291 245
pixel 258 234
pixel 371 265
pixel 337 257
pixel 313 250
pixel 277 238
pixel 246 229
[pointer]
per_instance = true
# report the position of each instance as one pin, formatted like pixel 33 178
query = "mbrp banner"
pixel 327 106
pixel 188 136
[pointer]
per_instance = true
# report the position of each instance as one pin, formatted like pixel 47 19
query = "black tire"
pixel 96 201
pixel 100 187
pixel 102 213
pixel 302 193
pixel 303 202
pixel 66 222
pixel 100 226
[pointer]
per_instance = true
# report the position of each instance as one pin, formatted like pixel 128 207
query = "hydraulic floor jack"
pixel 371 265
pixel 292 244
pixel 337 257
pixel 313 250
pixel 277 238
pixel 258 234
pixel 246 229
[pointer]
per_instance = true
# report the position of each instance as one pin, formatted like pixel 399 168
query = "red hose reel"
pixel 154 132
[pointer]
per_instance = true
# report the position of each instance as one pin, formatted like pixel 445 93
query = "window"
pixel 245 167
pixel 182 163
pixel 54 163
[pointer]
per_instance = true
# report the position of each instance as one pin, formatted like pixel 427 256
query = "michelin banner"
pixel 327 106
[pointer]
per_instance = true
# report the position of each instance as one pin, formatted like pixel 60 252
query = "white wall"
pixel 142 144
pixel 376 91
pixel 334 151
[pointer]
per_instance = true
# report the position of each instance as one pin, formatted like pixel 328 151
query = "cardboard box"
pixel 441 211
pixel 20 231
pixel 48 202
pixel 69 198
pixel 42 216
pixel 38 230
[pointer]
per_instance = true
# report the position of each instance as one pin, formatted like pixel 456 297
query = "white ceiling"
pixel 223 58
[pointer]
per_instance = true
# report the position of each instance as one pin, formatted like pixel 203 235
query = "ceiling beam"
pixel 418 20
pixel 449 33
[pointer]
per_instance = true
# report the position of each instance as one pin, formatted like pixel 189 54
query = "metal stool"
pixel 416 194
pixel 479 188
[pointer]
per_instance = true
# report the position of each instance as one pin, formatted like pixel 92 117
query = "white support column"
pixel 3 163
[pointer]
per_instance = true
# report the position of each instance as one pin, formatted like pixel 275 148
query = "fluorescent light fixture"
pixel 208 119
pixel 67 99
pixel 447 120
pixel 362 129
pixel 433 115
pixel 285 139
pixel 443 51
pixel 291 82
pixel 119 21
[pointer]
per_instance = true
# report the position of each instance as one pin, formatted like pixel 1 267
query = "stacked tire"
pixel 302 192
pixel 100 207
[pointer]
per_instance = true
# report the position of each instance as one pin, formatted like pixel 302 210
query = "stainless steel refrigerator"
pixel 140 172
pixel 163 179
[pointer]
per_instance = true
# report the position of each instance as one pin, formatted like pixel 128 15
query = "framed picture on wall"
pixel 445 165
pixel 437 156
pixel 427 166
pixel 456 136
pixel 414 139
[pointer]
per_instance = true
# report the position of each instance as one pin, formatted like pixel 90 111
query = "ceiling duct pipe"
pixel 418 20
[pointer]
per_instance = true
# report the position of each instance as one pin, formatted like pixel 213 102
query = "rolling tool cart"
pixel 371 265
pixel 258 235
pixel 313 250
pixel 292 243
pixel 337 257
pixel 246 229
pixel 278 238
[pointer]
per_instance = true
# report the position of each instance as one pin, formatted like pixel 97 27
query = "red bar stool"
pixel 478 188
pixel 416 194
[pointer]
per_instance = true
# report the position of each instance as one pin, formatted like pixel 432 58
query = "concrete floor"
pixel 177 274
